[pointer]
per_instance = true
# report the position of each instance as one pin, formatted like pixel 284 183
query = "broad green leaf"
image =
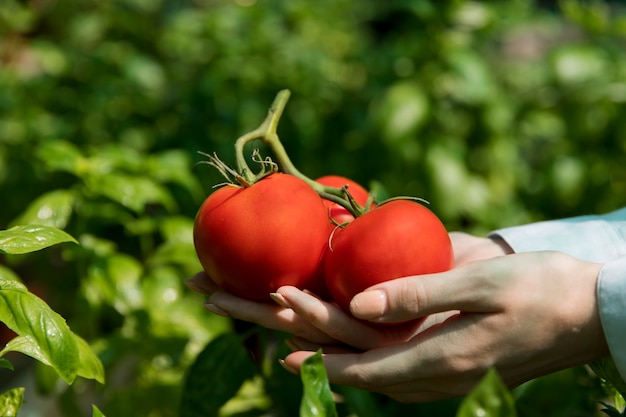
pixel 402 111
pixel 174 166
pixel 11 401
pixel 42 333
pixel 29 238
pixel 59 155
pixel 52 209
pixel 490 398
pixel 8 275
pixel 131 191
pixel 215 376
pixel 317 399
pixel 90 366
pixel 97 412
pixel 114 279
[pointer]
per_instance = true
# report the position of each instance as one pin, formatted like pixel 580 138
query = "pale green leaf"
pixel 490 398
pixel 11 401
pixel 30 238
pixel 317 399
pixel 90 366
pixel 97 412
pixel 42 333
pixel 131 191
pixel 51 209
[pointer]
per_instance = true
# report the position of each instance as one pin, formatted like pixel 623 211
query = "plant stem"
pixel 266 132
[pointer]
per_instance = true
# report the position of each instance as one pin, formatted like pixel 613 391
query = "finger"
pixel 467 288
pixel 333 321
pixel 268 315
pixel 202 284
pixel 417 368
pixel 298 343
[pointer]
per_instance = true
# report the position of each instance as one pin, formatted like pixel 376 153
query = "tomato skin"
pixel 253 240
pixel 335 211
pixel 396 239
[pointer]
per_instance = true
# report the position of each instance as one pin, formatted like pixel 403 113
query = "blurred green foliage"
pixel 498 113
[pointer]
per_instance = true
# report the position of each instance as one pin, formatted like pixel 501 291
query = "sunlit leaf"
pixel 42 333
pixel 58 155
pixel 89 366
pixel 11 401
pixel 30 238
pixel 52 209
pixel 174 166
pixel 490 398
pixel 8 275
pixel 97 412
pixel 215 376
pixel 131 191
pixel 114 279
pixel 317 399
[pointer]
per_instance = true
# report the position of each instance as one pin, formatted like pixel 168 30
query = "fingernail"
pixel 215 309
pixel 369 305
pixel 287 367
pixel 280 300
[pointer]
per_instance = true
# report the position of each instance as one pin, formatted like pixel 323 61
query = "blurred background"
pixel 497 113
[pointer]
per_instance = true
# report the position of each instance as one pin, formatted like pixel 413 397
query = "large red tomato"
pixel 253 240
pixel 335 211
pixel 396 239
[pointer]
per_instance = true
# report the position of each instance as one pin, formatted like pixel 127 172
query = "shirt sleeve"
pixel 599 238
pixel 612 302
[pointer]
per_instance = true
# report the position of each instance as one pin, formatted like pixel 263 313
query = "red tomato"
pixel 393 240
pixel 335 211
pixel 253 240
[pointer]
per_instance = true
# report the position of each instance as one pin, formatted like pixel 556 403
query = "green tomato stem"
pixel 267 133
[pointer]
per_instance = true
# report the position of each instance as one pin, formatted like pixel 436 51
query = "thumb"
pixel 408 298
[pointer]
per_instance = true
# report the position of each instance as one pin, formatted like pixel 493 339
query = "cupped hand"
pixel 313 322
pixel 527 315
pixel 318 324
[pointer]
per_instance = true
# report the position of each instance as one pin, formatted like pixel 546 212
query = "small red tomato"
pixel 396 239
pixel 335 211
pixel 253 240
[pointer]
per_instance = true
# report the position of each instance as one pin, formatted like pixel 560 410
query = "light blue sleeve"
pixel 612 301
pixel 599 238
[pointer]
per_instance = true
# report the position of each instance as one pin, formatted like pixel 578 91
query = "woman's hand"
pixel 305 316
pixel 527 315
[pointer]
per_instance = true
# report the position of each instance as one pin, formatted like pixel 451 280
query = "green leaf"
pixel 131 191
pixel 317 399
pixel 607 371
pixel 115 279
pixel 8 275
pixel 90 366
pixel 52 209
pixel 11 401
pixel 490 398
pixel 5 363
pixel 58 155
pixel 97 412
pixel 42 333
pixel 215 376
pixel 29 238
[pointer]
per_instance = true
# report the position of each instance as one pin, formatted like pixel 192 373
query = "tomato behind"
pixel 396 239
pixel 253 240
pixel 335 211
